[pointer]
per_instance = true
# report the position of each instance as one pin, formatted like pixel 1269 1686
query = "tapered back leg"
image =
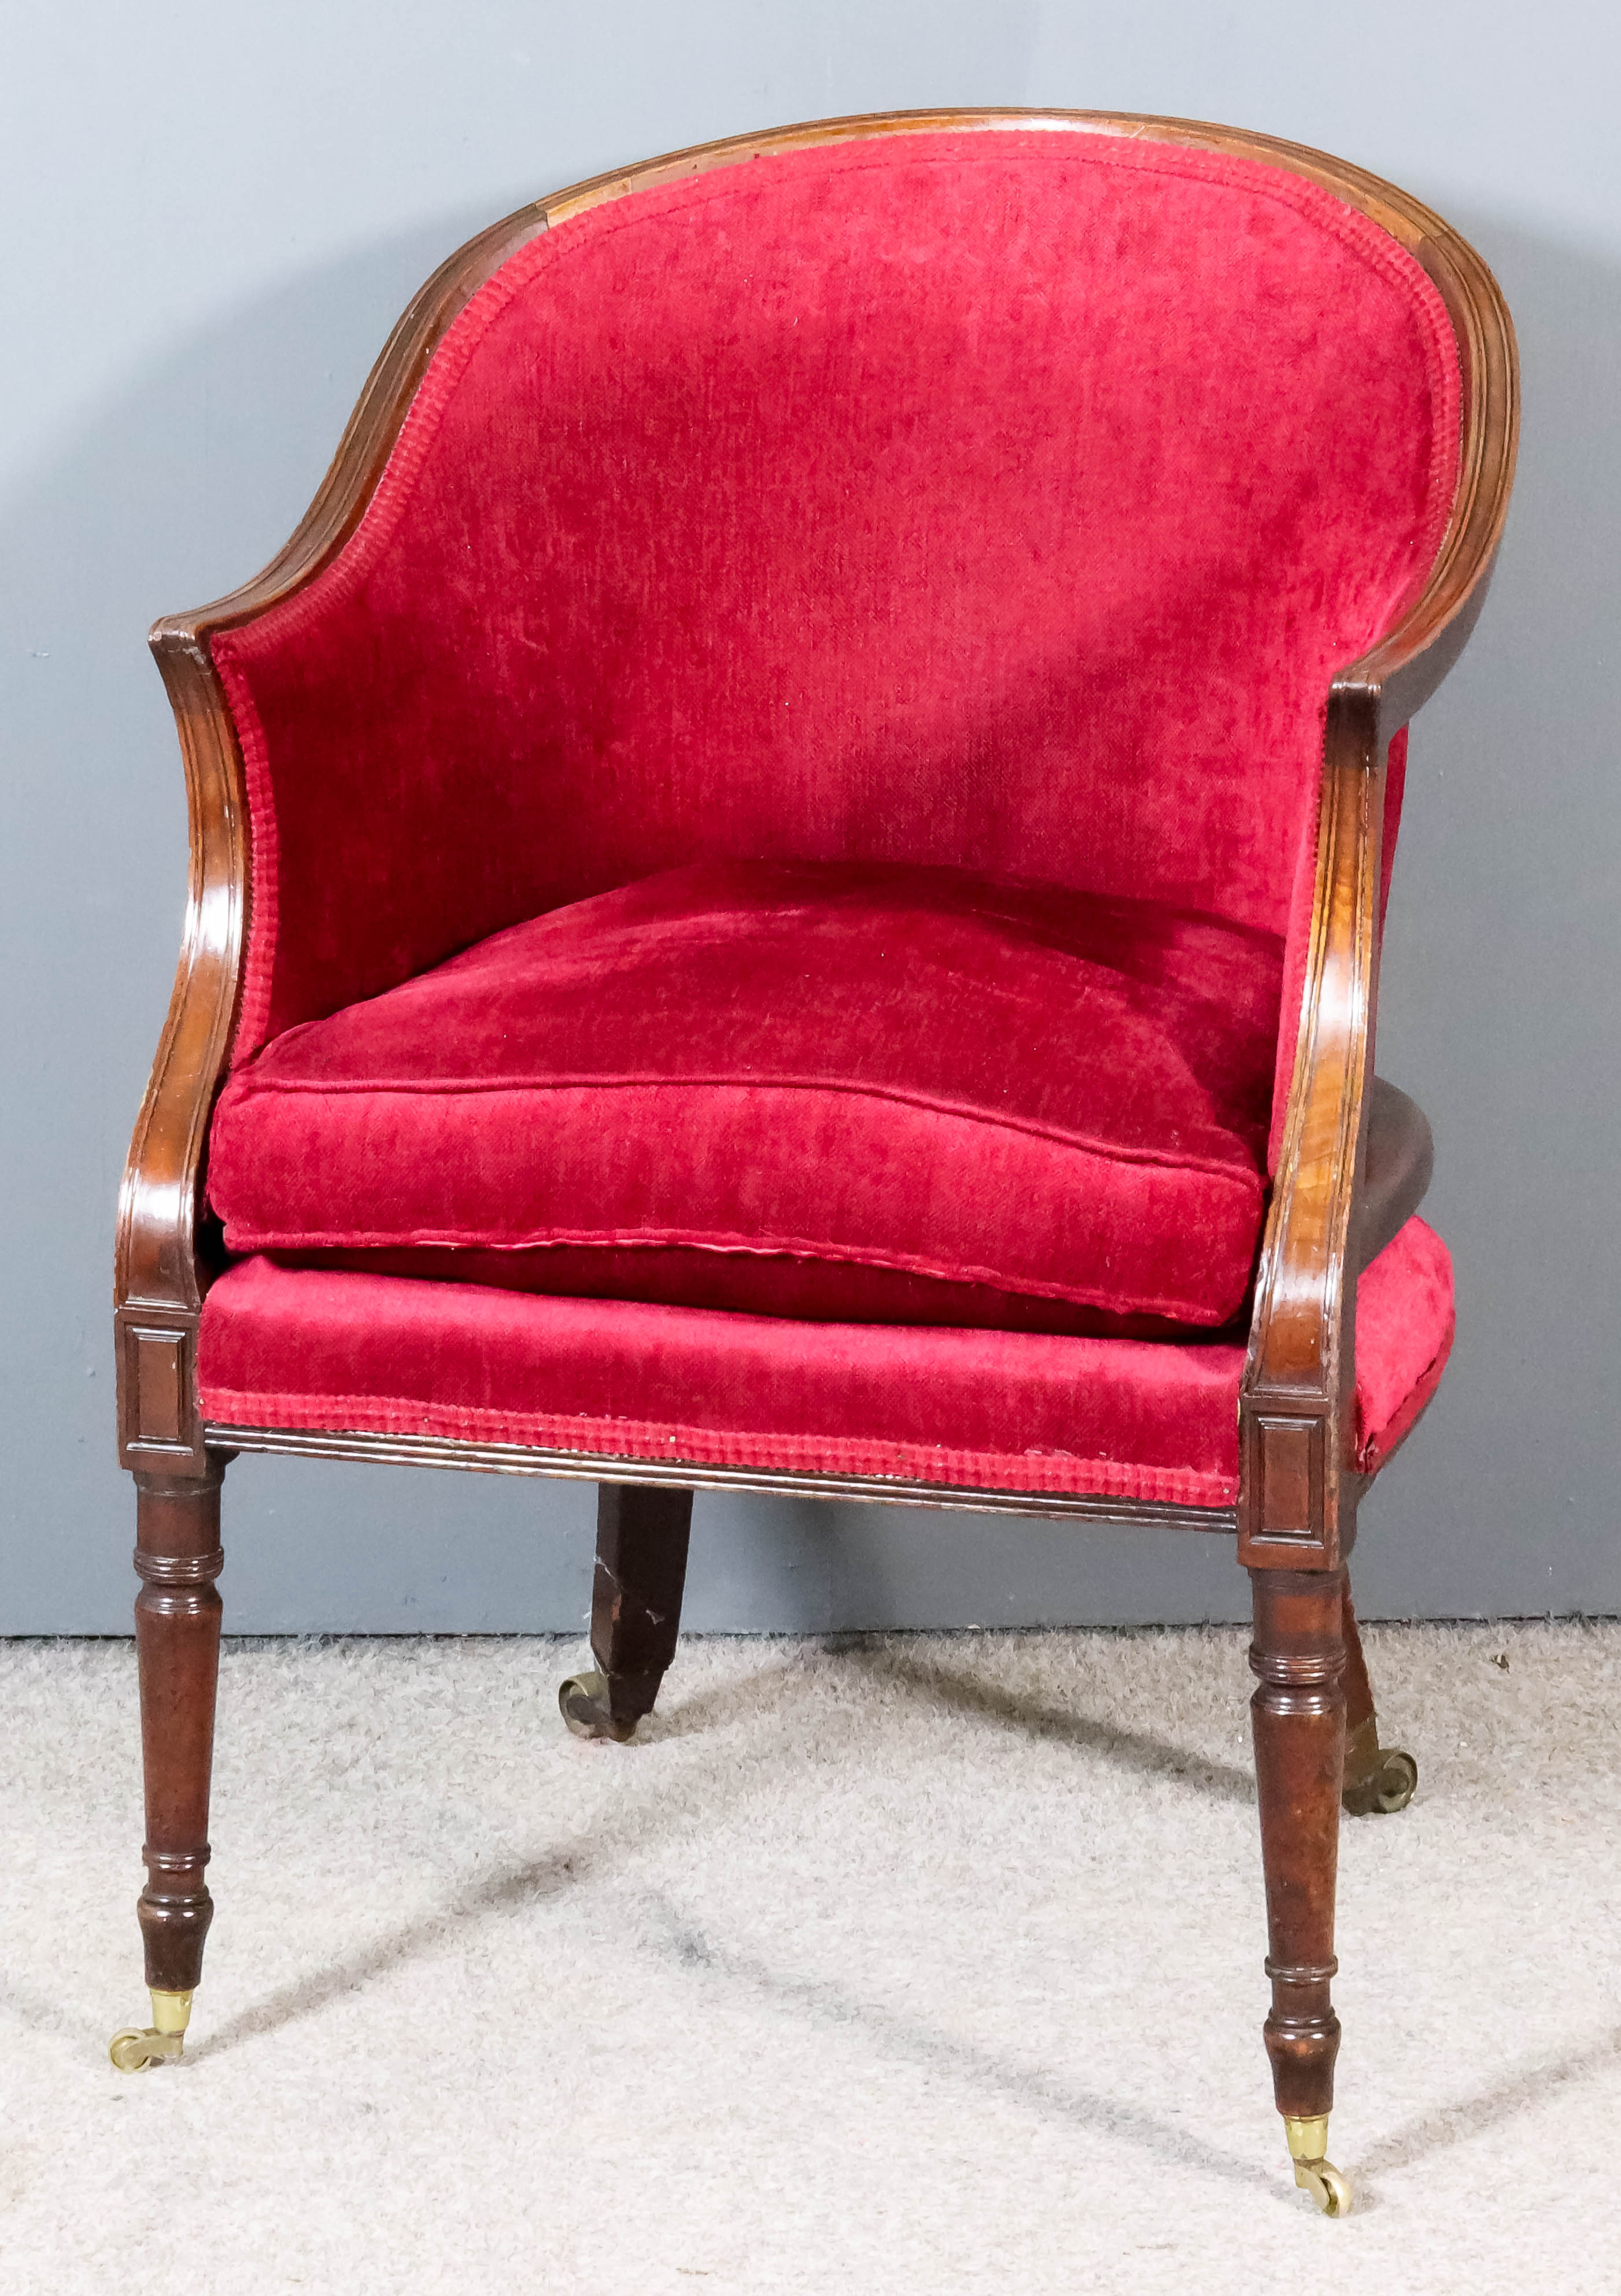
pixel 1359 1690
pixel 1378 1778
pixel 643 1533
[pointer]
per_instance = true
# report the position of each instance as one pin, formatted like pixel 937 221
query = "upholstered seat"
pixel 788 881
pixel 987 1410
pixel 873 1094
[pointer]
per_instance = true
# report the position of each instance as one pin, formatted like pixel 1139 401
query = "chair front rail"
pixel 688 1475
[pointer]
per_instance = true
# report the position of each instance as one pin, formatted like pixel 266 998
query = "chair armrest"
pixel 1297 1498
pixel 162 1266
pixel 160 1274
pixel 1299 1376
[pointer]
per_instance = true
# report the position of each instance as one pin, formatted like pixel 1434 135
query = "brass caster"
pixel 583 1703
pixel 1308 2143
pixel 1378 1778
pixel 1329 2191
pixel 160 2043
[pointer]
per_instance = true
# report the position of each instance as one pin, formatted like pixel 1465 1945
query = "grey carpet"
pixel 920 1965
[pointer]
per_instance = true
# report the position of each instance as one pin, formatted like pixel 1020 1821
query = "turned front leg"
pixel 177 1619
pixel 1299 1714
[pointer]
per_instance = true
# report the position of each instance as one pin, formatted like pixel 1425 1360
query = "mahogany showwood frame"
pixel 1296 1501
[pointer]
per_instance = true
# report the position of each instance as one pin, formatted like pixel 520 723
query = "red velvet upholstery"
pixel 963 527
pixel 1000 499
pixel 993 1410
pixel 850 1093
pixel 1404 1327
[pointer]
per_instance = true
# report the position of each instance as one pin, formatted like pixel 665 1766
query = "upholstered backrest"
pixel 1005 498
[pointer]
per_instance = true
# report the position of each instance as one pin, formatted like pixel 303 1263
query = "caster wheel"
pixel 583 1703
pixel 1329 2191
pixel 1387 1786
pixel 160 2043
pixel 1397 1782
pixel 1308 2144
pixel 131 2051
pixel 1379 1779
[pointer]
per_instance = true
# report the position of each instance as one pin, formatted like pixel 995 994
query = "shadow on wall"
pixel 1498 1009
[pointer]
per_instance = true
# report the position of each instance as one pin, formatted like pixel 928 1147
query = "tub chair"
pixel 787 876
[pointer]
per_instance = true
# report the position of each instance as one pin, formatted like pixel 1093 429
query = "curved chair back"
pixel 990 494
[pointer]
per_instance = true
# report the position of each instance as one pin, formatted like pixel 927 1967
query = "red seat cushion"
pixel 847 1092
pixel 1004 1411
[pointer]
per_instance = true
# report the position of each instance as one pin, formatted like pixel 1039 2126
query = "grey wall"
pixel 211 218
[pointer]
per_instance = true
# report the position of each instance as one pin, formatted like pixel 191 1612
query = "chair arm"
pixel 1329 1213
pixel 162 1266
pixel 1296 1405
pixel 1297 1389
pixel 159 1275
